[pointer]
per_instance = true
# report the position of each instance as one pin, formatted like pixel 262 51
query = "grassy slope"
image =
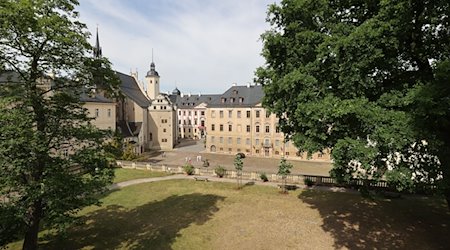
pixel 184 214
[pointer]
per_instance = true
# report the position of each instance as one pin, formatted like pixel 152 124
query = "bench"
pixel 288 186
pixel 197 178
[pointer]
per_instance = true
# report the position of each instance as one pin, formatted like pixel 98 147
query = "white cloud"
pixel 199 46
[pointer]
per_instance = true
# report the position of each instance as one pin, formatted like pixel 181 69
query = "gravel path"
pixel 216 179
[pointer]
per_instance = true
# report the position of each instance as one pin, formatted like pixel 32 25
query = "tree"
pixel 238 165
pixel 52 160
pixel 368 80
pixel 284 169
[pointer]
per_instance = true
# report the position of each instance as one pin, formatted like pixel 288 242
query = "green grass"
pixel 123 174
pixel 184 214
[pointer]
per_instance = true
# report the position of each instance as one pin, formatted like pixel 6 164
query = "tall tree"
pixel 52 160
pixel 368 80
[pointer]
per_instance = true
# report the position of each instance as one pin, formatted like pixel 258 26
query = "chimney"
pixel 189 94
pixel 234 84
pixel 182 95
pixel 199 94
pixel 248 85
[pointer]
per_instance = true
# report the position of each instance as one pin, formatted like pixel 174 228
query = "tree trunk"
pixel 447 197
pixel 31 236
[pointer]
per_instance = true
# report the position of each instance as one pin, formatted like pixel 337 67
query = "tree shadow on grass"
pixel 154 225
pixel 357 223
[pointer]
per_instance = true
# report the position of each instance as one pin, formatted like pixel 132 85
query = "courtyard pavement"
pixel 189 150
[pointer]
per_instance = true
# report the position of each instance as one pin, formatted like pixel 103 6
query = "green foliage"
pixel 220 171
pixel 238 165
pixel 128 153
pixel 188 169
pixel 263 177
pixel 368 80
pixel 114 147
pixel 308 181
pixel 45 132
pixel 401 179
pixel 284 169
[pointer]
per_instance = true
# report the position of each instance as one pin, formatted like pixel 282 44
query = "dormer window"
pixel 232 100
pixel 235 92
pixel 224 100
pixel 241 99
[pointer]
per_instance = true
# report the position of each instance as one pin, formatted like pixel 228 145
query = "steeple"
pixel 152 71
pixel 97 48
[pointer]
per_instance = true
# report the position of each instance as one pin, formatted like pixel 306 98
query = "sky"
pixel 199 46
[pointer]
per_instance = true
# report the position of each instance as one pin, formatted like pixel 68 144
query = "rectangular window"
pixel 164 130
pixel 239 114
pixel 247 141
pixel 267 129
pixel 189 113
pixel 179 112
pixel 277 129
pixel 213 114
pixel 184 112
pixel 109 112
pixel 230 140
pixel 257 142
pixel 221 113
pixel 221 139
pixel 239 128
pixel 195 112
pixel 257 113
pixel 238 140
pixel 97 113
pixel 248 128
pixel 212 139
pixel 248 113
pixel 277 143
pixel 230 128
pixel 213 127
pixel 221 127
pixel 230 113
pixel 202 113
pixel 267 114
pixel 257 128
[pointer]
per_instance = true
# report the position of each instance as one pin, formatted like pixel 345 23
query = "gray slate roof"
pixel 251 95
pixel 191 101
pixel 129 129
pixel 130 88
pixel 95 98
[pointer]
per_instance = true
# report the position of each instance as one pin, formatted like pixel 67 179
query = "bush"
pixel 263 177
pixel 220 171
pixel 308 181
pixel 188 169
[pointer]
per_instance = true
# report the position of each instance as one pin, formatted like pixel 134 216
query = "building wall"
pixel 231 130
pixel 104 114
pixel 162 124
pixel 190 122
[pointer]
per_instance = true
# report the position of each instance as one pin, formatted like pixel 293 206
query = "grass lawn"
pixel 123 174
pixel 184 214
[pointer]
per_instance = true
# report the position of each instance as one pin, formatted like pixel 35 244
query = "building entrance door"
pixel 266 152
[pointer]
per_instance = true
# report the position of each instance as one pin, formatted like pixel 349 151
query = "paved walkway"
pixel 188 150
pixel 120 185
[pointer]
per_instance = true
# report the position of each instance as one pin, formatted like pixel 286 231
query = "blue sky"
pixel 200 46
